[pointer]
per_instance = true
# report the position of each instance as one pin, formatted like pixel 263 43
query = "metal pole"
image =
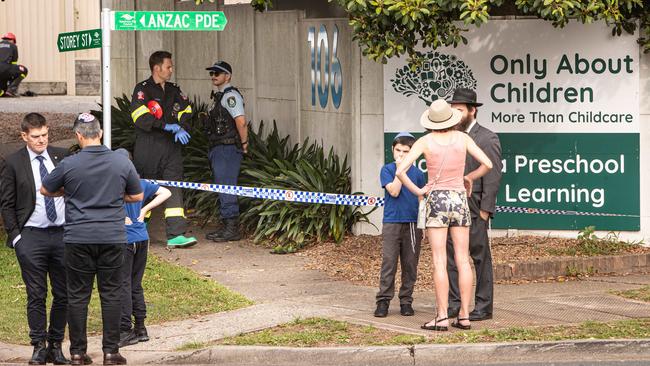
pixel 106 74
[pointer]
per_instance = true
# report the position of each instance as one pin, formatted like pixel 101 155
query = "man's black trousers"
pixel 40 253
pixel 479 250
pixel 83 262
pixel 135 261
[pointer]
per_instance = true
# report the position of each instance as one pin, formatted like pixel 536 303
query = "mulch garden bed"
pixel 358 258
pixel 60 126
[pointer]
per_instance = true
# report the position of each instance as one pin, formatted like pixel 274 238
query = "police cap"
pixel 221 66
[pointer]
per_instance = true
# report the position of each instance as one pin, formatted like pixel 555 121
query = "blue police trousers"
pixel 225 161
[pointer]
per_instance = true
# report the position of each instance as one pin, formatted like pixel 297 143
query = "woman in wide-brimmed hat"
pixel 444 149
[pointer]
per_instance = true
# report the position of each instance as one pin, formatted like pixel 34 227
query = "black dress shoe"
pixel 114 359
pixel 406 310
pixel 452 312
pixel 141 332
pixel 39 357
pixel 80 359
pixel 55 354
pixel 127 338
pixel 476 316
pixel 382 309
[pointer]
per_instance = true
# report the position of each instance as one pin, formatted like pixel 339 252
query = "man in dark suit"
pixel 34 226
pixel 482 204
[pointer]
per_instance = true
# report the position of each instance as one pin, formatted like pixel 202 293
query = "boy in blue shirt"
pixel 135 261
pixel 401 237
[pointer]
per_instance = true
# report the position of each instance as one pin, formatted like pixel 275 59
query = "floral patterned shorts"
pixel 447 209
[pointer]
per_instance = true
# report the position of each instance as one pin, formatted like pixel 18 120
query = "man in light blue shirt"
pixel 227 132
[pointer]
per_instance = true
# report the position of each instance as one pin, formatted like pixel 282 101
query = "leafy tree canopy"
pixel 388 28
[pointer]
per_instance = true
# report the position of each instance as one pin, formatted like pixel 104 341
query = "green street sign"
pixel 82 40
pixel 169 20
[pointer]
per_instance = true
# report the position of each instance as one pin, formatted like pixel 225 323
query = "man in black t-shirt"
pixel 96 182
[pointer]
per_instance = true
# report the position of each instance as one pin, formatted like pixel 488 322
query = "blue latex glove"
pixel 172 127
pixel 182 136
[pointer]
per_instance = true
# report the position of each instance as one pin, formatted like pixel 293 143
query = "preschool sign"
pixel 565 103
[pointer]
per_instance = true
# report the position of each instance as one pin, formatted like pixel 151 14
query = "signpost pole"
pixel 106 74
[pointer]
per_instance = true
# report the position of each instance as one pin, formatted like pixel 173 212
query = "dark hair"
pixel 475 110
pixel 32 120
pixel 157 58
pixel 404 140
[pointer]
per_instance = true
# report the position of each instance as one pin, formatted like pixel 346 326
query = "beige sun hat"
pixel 440 115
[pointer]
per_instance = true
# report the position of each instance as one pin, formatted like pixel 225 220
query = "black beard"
pixel 464 123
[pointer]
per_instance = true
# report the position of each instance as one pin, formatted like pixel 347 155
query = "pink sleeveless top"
pixel 453 167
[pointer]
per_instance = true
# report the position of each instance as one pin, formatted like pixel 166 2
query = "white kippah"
pixel 86 117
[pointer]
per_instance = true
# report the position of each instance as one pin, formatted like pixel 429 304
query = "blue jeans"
pixel 225 161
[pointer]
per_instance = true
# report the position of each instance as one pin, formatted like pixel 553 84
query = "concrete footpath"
pixel 50 104
pixel 283 290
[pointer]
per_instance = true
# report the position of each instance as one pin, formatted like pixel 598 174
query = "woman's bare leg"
pixel 438 239
pixel 460 237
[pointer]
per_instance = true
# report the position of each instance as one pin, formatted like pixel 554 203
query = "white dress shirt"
pixel 39 217
pixel 469 128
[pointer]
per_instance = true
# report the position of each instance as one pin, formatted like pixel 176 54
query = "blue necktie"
pixel 50 209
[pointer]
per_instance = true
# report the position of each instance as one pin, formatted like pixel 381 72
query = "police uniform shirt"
pixel 94 181
pixel 233 102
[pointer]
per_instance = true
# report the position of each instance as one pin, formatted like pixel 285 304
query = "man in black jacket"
pixel 161 114
pixel 34 226
pixel 482 203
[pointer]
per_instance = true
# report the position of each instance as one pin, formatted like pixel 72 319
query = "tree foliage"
pixel 389 28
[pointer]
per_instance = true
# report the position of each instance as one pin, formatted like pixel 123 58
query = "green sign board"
pixel 169 20
pixel 582 172
pixel 82 40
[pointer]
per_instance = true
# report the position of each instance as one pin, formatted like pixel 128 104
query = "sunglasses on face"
pixel 215 73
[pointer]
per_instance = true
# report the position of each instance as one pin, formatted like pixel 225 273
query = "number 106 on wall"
pixel 325 67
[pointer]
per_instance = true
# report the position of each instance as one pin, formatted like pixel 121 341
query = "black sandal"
pixel 457 324
pixel 435 325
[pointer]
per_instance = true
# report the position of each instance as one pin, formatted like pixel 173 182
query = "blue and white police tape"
pixel 544 211
pixel 278 194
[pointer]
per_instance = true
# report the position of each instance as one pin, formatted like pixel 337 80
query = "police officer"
pixel 11 74
pixel 226 129
pixel 161 113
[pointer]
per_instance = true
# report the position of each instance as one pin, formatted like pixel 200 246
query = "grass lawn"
pixel 172 292
pixel 318 332
pixel 640 294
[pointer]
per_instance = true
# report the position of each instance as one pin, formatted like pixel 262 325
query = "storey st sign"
pixel 81 40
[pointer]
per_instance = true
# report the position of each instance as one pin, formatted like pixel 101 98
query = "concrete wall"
pixel 270 58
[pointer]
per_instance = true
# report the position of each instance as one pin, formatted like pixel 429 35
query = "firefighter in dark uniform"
pixel 11 74
pixel 226 128
pixel 161 113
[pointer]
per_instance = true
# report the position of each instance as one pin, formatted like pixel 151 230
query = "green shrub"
pixel 301 167
pixel 272 163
